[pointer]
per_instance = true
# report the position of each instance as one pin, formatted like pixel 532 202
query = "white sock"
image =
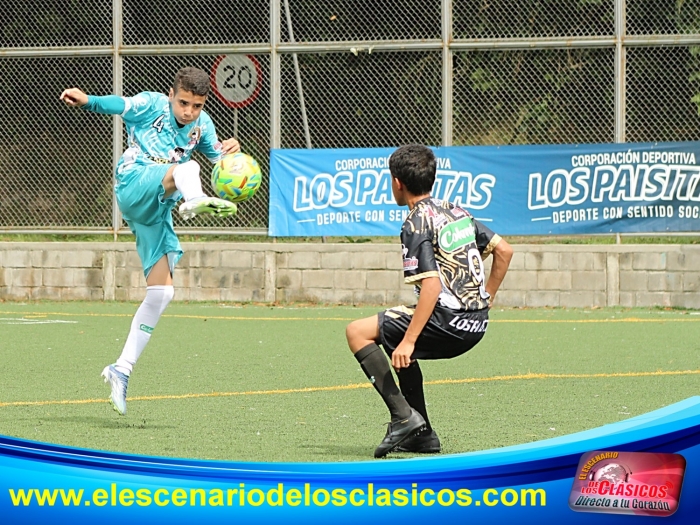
pixel 187 180
pixel 145 320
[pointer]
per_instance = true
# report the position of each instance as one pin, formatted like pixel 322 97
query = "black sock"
pixel 376 367
pixel 411 383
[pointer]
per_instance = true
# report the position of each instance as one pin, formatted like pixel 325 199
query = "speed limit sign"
pixel 235 79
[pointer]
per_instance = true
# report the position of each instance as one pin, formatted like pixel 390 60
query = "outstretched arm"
pixel 107 105
pixel 74 97
pixel 502 254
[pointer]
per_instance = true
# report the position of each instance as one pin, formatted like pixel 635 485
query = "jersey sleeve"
pixel 418 255
pixel 486 240
pixel 107 105
pixel 138 108
pixel 209 144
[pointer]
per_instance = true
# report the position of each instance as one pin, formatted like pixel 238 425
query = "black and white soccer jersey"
pixel 442 240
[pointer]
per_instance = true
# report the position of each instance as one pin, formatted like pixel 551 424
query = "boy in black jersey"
pixel 443 251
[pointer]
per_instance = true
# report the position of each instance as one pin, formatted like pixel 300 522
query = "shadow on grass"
pixel 112 422
pixel 345 452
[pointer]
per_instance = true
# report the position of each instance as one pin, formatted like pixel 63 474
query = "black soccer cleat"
pixel 423 443
pixel 398 432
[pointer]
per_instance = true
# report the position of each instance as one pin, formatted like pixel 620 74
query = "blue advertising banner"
pixel 515 190
pixel 645 466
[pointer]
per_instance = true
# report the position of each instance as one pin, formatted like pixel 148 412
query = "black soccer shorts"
pixel 448 333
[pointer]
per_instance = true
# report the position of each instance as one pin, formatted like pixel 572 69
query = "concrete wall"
pixel 540 275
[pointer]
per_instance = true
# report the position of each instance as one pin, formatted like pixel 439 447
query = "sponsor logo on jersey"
pixel 427 211
pixel 176 154
pixel 439 221
pixel 469 325
pixel 195 135
pixel 458 212
pixel 410 264
pixel 158 160
pixel 146 328
pixel 457 235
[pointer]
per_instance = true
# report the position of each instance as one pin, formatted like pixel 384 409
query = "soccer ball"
pixel 236 177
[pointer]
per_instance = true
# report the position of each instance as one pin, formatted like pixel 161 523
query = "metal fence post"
pixel 620 70
pixel 117 88
pixel 275 74
pixel 300 87
pixel 447 114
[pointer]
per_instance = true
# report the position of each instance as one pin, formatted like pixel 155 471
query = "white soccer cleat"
pixel 208 205
pixel 118 382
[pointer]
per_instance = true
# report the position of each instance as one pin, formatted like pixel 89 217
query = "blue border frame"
pixel 550 465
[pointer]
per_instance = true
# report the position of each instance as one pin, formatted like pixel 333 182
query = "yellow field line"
pixel 625 320
pixel 235 318
pixel 355 386
pixel 179 316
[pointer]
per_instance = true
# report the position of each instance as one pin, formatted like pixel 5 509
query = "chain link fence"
pixel 534 97
pixel 663 17
pixel 498 19
pixel 334 74
pixel 368 100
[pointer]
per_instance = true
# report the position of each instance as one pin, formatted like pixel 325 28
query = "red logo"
pixel 638 483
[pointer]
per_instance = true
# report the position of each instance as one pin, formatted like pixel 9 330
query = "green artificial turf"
pixel 259 383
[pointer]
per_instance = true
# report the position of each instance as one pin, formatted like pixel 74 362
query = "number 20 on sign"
pixel 236 79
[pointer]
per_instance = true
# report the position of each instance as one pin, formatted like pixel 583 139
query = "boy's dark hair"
pixel 414 165
pixel 192 79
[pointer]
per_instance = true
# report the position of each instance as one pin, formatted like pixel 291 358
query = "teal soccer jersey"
pixel 155 142
pixel 155 137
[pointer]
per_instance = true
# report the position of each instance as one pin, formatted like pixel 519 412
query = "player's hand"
pixel 401 357
pixel 74 97
pixel 230 146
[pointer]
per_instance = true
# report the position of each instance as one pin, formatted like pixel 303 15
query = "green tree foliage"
pixel 534 97
pixel 347 20
pixel 37 23
pixel 368 100
pixel 532 18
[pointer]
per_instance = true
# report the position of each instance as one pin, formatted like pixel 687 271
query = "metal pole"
pixel 342 47
pixel 447 78
pixel 620 71
pixel 275 84
pixel 300 89
pixel 117 89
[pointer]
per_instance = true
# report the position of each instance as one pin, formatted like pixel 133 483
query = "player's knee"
pixel 352 331
pixel 166 297
pixel 186 169
pixel 168 294
pixel 159 297
pixel 193 165
pixel 356 334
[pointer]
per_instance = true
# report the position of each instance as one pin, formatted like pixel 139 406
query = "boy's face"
pixel 186 105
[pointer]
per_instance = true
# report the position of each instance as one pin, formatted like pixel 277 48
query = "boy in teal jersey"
pixel 152 175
